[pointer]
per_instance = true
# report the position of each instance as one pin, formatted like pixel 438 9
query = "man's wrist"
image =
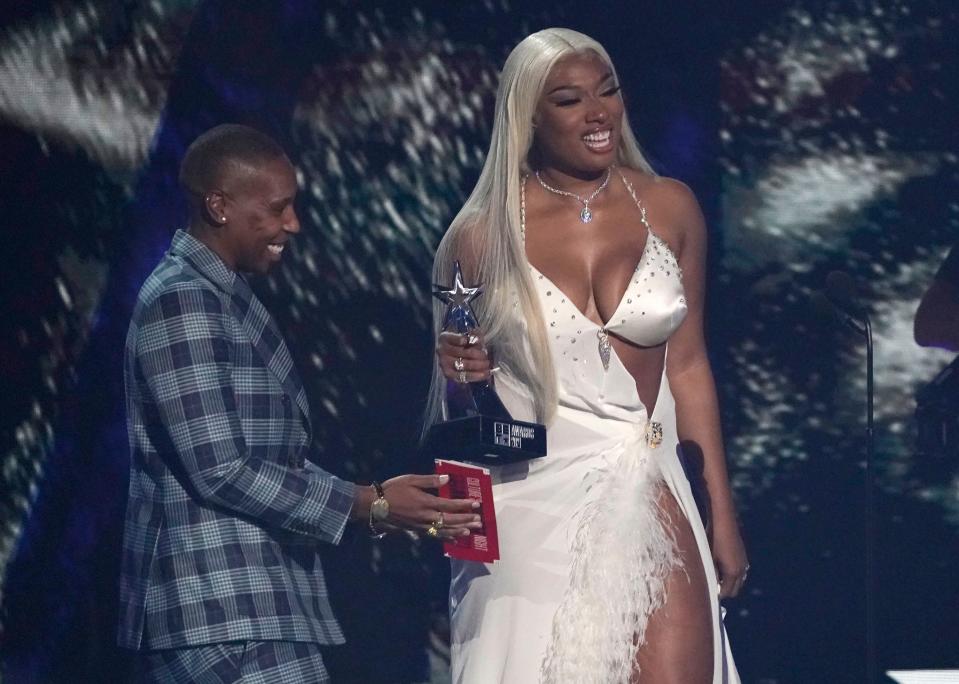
pixel 363 496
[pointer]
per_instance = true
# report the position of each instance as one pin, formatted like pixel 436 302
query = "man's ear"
pixel 214 206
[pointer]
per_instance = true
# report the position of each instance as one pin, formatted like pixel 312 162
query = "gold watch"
pixel 379 510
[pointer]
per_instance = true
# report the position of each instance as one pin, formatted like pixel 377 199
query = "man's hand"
pixel 412 507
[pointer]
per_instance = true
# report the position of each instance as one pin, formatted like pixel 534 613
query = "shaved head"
pixel 241 187
pixel 223 153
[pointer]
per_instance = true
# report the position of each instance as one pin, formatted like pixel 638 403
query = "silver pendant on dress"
pixel 585 215
pixel 605 348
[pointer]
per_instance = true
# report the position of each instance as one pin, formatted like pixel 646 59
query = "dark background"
pixel 817 136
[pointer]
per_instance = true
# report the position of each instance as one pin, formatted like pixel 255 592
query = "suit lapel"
pixel 254 317
pixel 269 344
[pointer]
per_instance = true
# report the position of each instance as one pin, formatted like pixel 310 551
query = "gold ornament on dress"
pixel 654 434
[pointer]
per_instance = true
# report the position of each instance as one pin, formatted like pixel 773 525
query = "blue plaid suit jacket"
pixel 225 510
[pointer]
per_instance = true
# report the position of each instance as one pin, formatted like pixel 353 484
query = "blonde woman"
pixel 594 279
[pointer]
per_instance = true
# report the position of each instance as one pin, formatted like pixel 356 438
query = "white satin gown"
pixel 583 552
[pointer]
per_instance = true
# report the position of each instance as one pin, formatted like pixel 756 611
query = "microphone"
pixel 842 292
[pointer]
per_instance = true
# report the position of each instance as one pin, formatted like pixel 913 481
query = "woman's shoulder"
pixel 670 203
pixel 653 189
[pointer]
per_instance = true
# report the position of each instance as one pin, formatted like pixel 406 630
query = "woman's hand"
pixel 729 555
pixel 463 358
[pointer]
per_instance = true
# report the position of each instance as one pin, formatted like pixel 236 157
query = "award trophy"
pixel 480 428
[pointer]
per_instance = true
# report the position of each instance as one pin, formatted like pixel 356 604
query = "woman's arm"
pixel 692 384
pixel 937 319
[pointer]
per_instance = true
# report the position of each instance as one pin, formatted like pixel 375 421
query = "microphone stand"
pixel 871 673
pixel 859 321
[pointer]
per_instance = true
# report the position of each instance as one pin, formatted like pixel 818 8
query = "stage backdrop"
pixel 817 135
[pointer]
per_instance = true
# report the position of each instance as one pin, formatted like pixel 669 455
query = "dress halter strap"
pixel 522 207
pixel 632 193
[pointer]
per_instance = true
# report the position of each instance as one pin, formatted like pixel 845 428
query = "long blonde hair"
pixel 485 235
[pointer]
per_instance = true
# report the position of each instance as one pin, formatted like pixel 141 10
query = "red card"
pixel 471 482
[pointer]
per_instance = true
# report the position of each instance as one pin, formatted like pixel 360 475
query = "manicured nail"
pixel 444 479
pixel 476 505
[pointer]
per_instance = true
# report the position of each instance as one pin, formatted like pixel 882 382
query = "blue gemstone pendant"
pixel 585 215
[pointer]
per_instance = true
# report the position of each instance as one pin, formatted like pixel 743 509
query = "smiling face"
pixel 255 209
pixel 579 117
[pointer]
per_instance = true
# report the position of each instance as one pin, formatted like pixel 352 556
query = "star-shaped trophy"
pixel 457 297
pixel 480 427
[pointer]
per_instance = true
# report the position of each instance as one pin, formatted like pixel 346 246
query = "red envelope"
pixel 468 481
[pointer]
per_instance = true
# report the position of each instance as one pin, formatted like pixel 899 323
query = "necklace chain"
pixel 522 208
pixel 585 215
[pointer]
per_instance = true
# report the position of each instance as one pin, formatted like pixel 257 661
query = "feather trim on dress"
pixel 622 553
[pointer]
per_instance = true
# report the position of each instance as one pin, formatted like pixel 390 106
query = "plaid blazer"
pixel 225 510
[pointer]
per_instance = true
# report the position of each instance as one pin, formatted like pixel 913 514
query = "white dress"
pixel 583 554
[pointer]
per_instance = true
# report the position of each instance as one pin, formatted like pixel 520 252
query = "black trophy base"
pixel 487 440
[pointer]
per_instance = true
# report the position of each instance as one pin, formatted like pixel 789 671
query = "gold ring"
pixel 433 530
pixel 458 363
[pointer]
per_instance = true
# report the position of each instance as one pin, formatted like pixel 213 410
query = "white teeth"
pixel 275 249
pixel 599 137
pixel 597 141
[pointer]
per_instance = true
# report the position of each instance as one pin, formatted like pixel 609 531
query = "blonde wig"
pixel 485 235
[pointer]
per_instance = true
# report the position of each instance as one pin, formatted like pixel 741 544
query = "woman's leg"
pixel 679 637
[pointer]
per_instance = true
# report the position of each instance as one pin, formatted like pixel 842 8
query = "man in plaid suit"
pixel 221 580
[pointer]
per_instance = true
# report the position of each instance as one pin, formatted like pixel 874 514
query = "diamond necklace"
pixel 585 215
